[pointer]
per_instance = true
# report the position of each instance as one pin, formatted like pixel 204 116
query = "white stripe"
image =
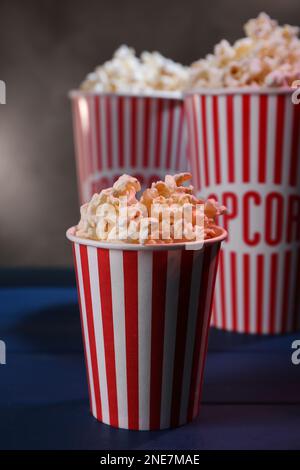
pixel 266 294
pixel 104 125
pixel 237 134
pixel 153 131
pixel 208 294
pixel 183 161
pixel 201 160
pixel 98 327
pixel 92 112
pixel 192 141
pixel 115 131
pixel 199 131
pixel 279 292
pixel 140 132
pixel 144 324
pixel 78 153
pixel 223 138
pixel 253 294
pixel 171 310
pixel 84 118
pixel 117 286
pixel 240 292
pixel 254 125
pixel 227 289
pixel 210 140
pixel 85 330
pixel 164 133
pixel 271 136
pixel 127 134
pixel 191 333
pixel 175 136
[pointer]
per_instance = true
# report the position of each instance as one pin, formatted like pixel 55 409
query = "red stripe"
pixel 230 139
pixel 159 278
pixel 121 130
pixel 280 113
pixel 247 293
pixel 216 138
pixel 272 293
pixel 146 132
pixel 223 294
pixel 213 264
pixel 295 145
pixel 262 144
pixel 130 268
pixel 108 332
pixel 246 138
pixel 90 323
pixel 296 303
pixel 259 292
pixel 159 112
pixel 205 145
pixel 199 330
pixel 171 107
pixel 109 136
pixel 82 327
pixel 186 267
pixel 234 281
pixel 196 137
pixel 286 291
pixel 133 131
pixel 98 132
pixel 180 137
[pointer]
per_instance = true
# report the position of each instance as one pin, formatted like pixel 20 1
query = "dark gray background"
pixel 46 48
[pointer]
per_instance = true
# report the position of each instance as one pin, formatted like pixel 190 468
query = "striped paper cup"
pixel 145 314
pixel 144 136
pixel 245 152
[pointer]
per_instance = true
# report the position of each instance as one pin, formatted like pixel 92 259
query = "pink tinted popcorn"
pixel 268 56
pixel 117 214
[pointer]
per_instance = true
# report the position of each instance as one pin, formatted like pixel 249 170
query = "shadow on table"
pixel 53 329
pixel 220 340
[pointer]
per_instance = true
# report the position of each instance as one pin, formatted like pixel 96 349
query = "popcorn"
pixel 269 56
pixel 167 212
pixel 126 73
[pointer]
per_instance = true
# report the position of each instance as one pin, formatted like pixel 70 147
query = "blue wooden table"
pixel 251 396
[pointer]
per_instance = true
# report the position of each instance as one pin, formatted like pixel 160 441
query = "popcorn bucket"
pixel 145 314
pixel 143 135
pixel 245 152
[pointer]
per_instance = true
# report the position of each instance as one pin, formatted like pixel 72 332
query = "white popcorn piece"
pixel 127 73
pixel 268 56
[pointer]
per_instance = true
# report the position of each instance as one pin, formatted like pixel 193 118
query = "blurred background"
pixel 47 48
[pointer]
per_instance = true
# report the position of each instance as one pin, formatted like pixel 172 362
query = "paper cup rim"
pixel 239 91
pixel 138 247
pixel 170 95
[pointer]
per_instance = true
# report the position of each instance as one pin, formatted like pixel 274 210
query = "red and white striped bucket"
pixel 145 314
pixel 245 151
pixel 144 136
